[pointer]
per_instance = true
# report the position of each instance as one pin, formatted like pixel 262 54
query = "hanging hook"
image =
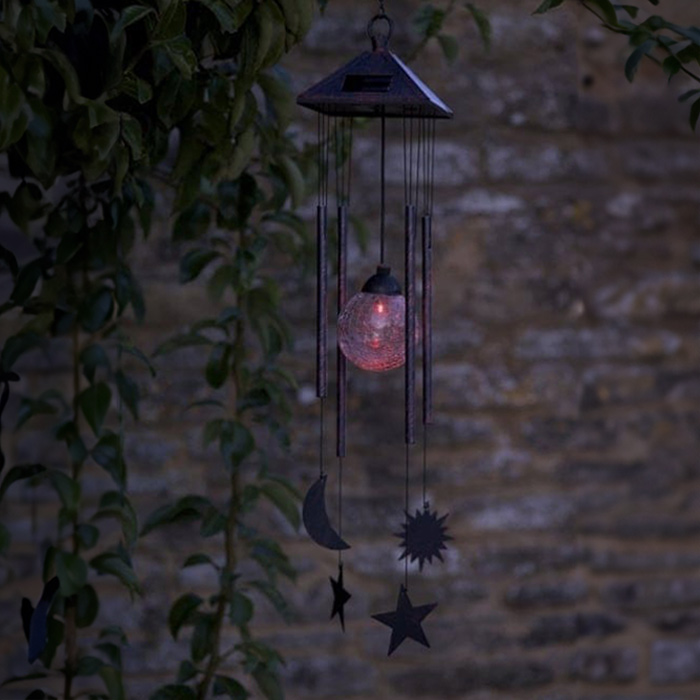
pixel 380 35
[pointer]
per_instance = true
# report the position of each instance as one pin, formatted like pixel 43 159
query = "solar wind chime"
pixel 377 328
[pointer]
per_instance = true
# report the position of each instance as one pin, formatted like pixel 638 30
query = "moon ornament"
pixel 316 519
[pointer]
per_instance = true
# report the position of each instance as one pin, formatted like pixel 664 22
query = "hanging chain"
pixel 382 11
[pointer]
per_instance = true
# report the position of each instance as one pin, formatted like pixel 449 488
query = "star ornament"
pixel 340 597
pixel 423 536
pixel 405 621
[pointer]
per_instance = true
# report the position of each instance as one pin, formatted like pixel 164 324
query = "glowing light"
pixel 371 331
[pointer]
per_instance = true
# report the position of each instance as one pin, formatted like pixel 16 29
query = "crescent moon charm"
pixel 316 519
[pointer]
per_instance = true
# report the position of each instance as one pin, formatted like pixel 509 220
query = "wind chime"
pixel 377 328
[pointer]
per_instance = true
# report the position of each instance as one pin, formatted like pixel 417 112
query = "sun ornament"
pixel 424 536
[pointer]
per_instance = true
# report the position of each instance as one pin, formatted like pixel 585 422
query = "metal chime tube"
pixel 321 302
pixel 342 367
pixel 427 233
pixel 410 273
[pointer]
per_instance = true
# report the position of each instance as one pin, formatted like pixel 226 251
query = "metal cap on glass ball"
pixel 371 326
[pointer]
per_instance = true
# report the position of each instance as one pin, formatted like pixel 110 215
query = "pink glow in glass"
pixel 371 331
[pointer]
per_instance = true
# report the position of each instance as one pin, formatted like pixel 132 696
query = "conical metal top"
pixel 373 84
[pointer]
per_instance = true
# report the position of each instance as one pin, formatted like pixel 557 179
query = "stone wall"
pixel 567 430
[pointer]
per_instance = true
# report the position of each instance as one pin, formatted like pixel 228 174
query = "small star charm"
pixel 340 597
pixel 405 621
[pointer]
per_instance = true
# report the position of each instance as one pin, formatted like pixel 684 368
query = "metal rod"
pixel 341 368
pixel 427 320
pixel 321 302
pixel 410 273
pixel 382 190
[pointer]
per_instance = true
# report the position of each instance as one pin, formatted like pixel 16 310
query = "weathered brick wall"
pixel 567 397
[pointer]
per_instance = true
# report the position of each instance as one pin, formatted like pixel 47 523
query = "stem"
pixel 71 632
pixel 617 30
pixel 229 568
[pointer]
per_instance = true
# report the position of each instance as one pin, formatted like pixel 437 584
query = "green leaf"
pixel 72 572
pixel 8 257
pixel 236 442
pixel 179 51
pixel 482 24
pixel 278 97
pixel 193 262
pixel 128 392
pixel 198 559
pixel 241 609
pixel 27 279
pixel 212 431
pixel 139 355
pixel 18 473
pixel 202 642
pixel 130 15
pixel 171 22
pixel 112 651
pixel 607 10
pixel 97 310
pixel 687 95
pixel 48 15
pixel 671 66
pixel 428 20
pixel 269 555
pixel 16 346
pixel 174 692
pixel 116 563
pixel 218 365
pixel 115 504
pixel 186 509
pixel 36 675
pixel 94 403
pixel 225 14
pixel 87 535
pixel 108 454
pixel 182 341
pixel 112 678
pixel 87 606
pixel 68 432
pixel 631 10
pixel 636 56
pixel 89 666
pixel 269 683
pixel 547 5
pixel 213 522
pixel 186 671
pixel 284 500
pixel 277 600
pixel 192 223
pixel 449 46
pixel 183 612
pixel 694 114
pixel 224 685
pixel 91 358
pixel 28 408
pixel 55 629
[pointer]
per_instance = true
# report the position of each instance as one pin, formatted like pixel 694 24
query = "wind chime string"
pixel 340 507
pixel 428 170
pixel 406 512
pixel 343 165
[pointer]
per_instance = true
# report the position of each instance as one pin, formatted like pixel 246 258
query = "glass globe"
pixel 371 327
